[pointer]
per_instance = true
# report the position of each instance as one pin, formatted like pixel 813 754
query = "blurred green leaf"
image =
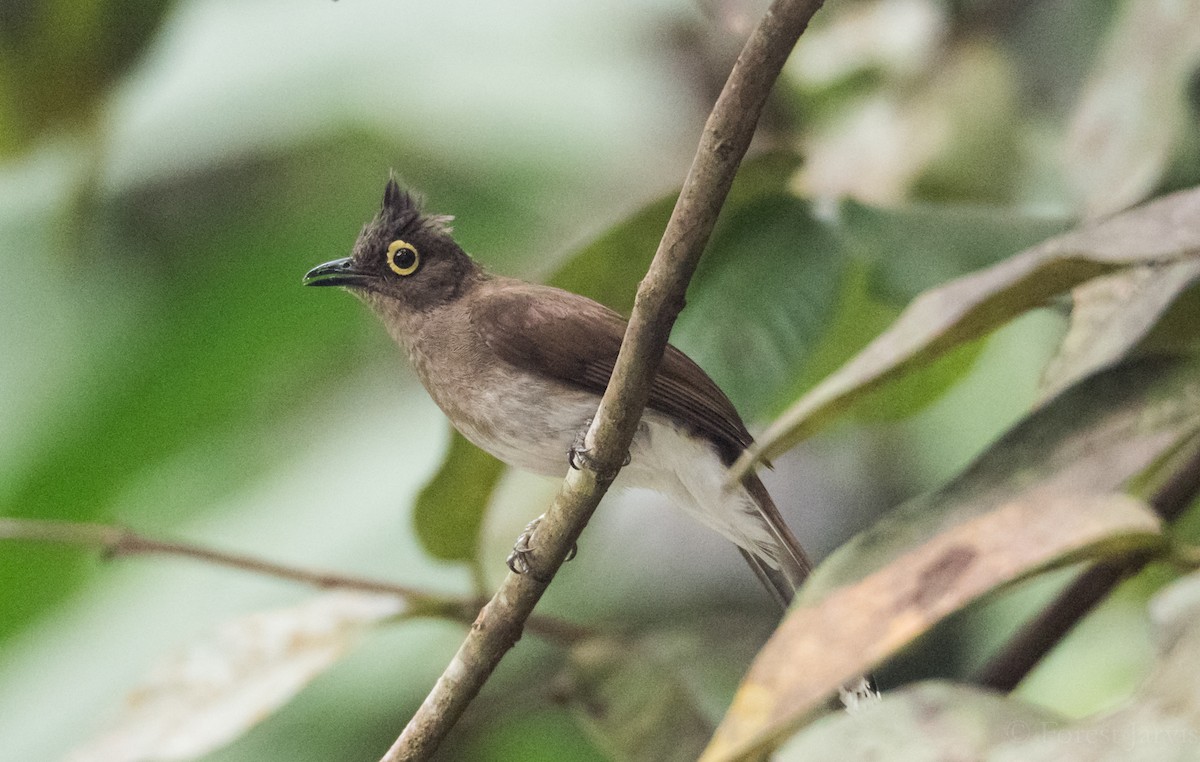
pixel 224 344
pixel 782 297
pixel 931 720
pixel 1088 441
pixel 901 252
pixel 523 734
pixel 860 316
pixel 919 246
pixel 762 299
pixel 912 392
pixel 59 58
pixel 969 307
pixel 635 707
pixel 610 268
pixel 450 508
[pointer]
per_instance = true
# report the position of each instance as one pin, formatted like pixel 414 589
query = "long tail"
pixel 793 563
pixel 783 582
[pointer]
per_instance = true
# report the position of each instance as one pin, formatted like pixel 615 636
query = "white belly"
pixel 520 428
pixel 508 414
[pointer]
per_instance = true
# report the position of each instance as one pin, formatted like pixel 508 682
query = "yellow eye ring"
pixel 402 257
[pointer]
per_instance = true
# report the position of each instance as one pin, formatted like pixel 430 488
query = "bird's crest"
pixel 402 211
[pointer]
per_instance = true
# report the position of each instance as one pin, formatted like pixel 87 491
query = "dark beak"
pixel 339 272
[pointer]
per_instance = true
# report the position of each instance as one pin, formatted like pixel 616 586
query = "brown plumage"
pixel 519 369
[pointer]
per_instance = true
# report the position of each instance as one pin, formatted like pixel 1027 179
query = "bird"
pixel 519 369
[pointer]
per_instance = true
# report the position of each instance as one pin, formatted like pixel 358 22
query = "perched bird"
pixel 519 369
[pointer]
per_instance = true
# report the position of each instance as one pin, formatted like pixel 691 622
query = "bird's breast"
pixel 526 421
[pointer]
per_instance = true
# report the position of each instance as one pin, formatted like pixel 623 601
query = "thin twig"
pixel 660 297
pixel 115 542
pixel 1032 642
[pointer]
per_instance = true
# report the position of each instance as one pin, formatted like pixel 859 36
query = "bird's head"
pixel 403 259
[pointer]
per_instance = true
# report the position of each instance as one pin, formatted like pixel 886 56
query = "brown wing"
pixel 576 340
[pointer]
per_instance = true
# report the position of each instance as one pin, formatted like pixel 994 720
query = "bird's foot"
pixel 522 552
pixel 578 456
pixel 858 693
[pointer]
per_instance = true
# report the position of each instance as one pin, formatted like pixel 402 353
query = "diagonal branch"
pixel 660 297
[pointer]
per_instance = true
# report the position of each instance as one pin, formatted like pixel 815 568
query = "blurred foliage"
pixel 170 171
pixel 60 58
pixel 1090 440
pixel 449 511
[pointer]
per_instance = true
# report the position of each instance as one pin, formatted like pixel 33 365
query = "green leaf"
pixel 897 253
pixel 635 706
pixel 610 268
pixel 965 309
pixel 915 248
pixel 931 720
pixel 450 508
pixel 860 316
pixel 762 299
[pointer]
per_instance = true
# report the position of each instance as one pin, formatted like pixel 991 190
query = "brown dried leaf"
pixel 936 720
pixel 1090 440
pixel 1163 231
pixel 213 691
pixel 817 648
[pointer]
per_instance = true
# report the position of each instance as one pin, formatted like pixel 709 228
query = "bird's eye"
pixel 402 257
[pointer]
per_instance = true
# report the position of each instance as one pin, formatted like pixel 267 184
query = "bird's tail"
pixel 793 568
pixel 791 565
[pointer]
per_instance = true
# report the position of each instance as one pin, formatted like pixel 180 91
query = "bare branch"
pixel 115 541
pixel 660 297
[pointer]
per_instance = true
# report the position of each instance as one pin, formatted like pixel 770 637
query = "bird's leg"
pixel 578 457
pixel 858 693
pixel 518 560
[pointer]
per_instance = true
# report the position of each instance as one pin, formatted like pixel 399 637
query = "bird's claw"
pixel 578 456
pixel 518 559
pixel 858 693
pixel 522 552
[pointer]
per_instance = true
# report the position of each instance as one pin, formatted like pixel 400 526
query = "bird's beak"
pixel 339 272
